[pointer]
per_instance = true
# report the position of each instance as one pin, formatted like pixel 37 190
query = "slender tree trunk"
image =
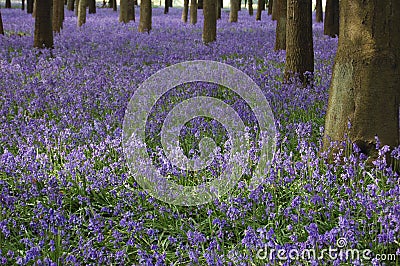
pixel 240 5
pixel 70 5
pixel 270 4
pixel 76 7
pixel 318 11
pixel 185 11
pixel 210 21
pixel 43 37
pixel 131 10
pixel 114 5
pixel 193 12
pixel 1 25
pixel 34 9
pixel 280 39
pixel 23 5
pixel 170 3
pixel 145 16
pixel 331 25
pixel 275 10
pixel 82 12
pixel 92 6
pixel 251 12
pixel 58 8
pixel 233 14
pixel 263 5
pixel 200 4
pixel 123 11
pixel 259 9
pixel 29 6
pixel 166 6
pixel 219 6
pixel 299 40
pixel 365 88
pixel 8 4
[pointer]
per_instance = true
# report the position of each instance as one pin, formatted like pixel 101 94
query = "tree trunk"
pixel 263 5
pixel 23 5
pixel 166 6
pixel 123 11
pixel 251 8
pixel 43 37
pixel 210 21
pixel 275 10
pixel 76 7
pixel 70 5
pixel 259 9
pixel 145 16
pixel 318 11
pixel 170 3
pixel 331 25
pixel 280 39
pixel 1 25
pixel 82 12
pixel 34 9
pixel 58 8
pixel 233 14
pixel 299 40
pixel 200 4
pixel 239 5
pixel 270 4
pixel 8 4
pixel 114 5
pixel 365 88
pixel 185 11
pixel 92 6
pixel 193 12
pixel 29 6
pixel 219 6
pixel 131 10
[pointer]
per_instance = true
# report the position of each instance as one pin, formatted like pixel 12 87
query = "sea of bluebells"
pixel 67 196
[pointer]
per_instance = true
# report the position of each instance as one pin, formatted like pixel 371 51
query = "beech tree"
pixel 70 5
pixel 92 6
pixel 251 8
pixel 58 15
pixel 193 12
pixel 82 12
pixel 43 36
pixel 365 85
pixel 299 40
pixel 234 10
pixel 29 6
pixel 1 25
pixel 8 4
pixel 260 4
pixel 331 25
pixel 280 39
pixel 145 16
pixel 185 11
pixel 210 21
pixel 270 4
pixel 318 11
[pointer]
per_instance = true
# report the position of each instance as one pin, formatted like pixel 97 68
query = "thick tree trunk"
pixel 170 3
pixel 234 9
pixel 43 37
pixel 23 5
pixel 70 5
pixel 58 8
pixel 82 12
pixel 166 6
pixel 8 4
pixel 274 15
pixel 210 21
pixel 280 39
pixel 259 9
pixel 145 16
pixel 331 25
pixel 123 11
pixel 29 6
pixel 193 12
pixel 92 6
pixel 251 12
pixel 270 4
pixel 185 11
pixel 365 86
pixel 299 40
pixel 318 11
pixel 131 10
pixel 76 7
pixel 1 25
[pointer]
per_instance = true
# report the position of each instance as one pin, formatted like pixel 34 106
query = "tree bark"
pixel 76 7
pixel 58 8
pixel 234 9
pixel 23 5
pixel 82 12
pixel 70 5
pixel 29 6
pixel 193 12
pixel 200 4
pixel 1 25
pixel 299 40
pixel 43 36
pixel 123 11
pixel 185 11
pixel 92 6
pixel 259 9
pixel 166 6
pixel 131 10
pixel 8 4
pixel 280 39
pixel 318 11
pixel 251 12
pixel 170 3
pixel 114 5
pixel 219 7
pixel 365 86
pixel 34 9
pixel 270 4
pixel 210 21
pixel 275 10
pixel 145 16
pixel 331 25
